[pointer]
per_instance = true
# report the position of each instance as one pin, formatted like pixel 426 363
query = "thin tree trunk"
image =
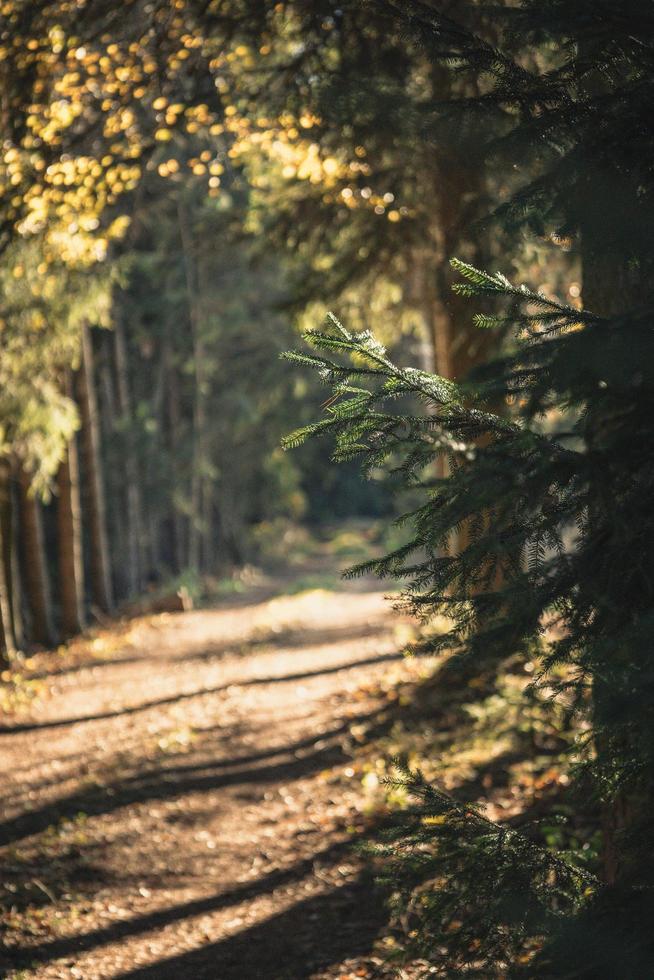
pixel 200 415
pixel 197 475
pixel 17 594
pixel 7 638
pixel 436 319
pixel 12 578
pixel 69 539
pixel 107 395
pixel 100 568
pixel 209 533
pixel 134 523
pixel 7 645
pixel 35 568
pixel 173 419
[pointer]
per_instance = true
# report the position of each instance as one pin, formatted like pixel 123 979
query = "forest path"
pixel 184 807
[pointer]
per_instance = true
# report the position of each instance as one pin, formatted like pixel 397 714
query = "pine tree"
pixel 561 535
pixel 41 331
pixel 7 627
pixel 35 568
pixel 129 546
pixel 376 186
pixel 99 563
pixel 69 540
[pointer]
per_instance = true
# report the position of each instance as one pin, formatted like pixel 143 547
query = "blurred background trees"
pixel 146 295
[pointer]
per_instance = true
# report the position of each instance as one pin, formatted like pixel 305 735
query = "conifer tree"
pixel 34 565
pixel 368 185
pixel 99 561
pixel 562 537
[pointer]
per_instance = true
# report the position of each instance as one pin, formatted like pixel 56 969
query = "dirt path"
pixel 183 809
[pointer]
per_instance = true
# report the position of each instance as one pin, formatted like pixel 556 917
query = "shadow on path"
pixel 159 919
pixel 8 730
pixel 312 935
pixel 164 784
pixel 291 638
pixel 288 638
pixel 319 912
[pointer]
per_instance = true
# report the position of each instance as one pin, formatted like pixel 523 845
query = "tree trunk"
pixel 69 539
pixel 615 283
pixel 7 638
pixel 100 568
pixel 455 183
pixel 199 419
pixel 7 645
pixel 437 323
pixel 173 425
pixel 133 556
pixel 456 344
pixel 35 568
pixel 10 558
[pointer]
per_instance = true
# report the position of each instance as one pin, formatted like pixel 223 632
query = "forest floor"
pixel 183 797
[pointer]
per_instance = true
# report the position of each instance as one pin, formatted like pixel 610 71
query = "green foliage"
pixel 204 322
pixel 541 533
pixel 475 896
pixel 41 314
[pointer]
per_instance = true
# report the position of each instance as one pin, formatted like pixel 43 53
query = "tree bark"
pixel 100 568
pixel 456 184
pixel 456 344
pixel 10 557
pixel 69 535
pixel 35 570
pixel 7 638
pixel 199 414
pixel 173 421
pixel 133 518
pixel 17 583
pixel 615 283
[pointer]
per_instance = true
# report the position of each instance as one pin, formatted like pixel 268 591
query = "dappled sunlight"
pixel 326 481
pixel 185 793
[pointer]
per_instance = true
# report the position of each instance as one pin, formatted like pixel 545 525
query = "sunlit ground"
pixel 183 787
pixel 185 792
